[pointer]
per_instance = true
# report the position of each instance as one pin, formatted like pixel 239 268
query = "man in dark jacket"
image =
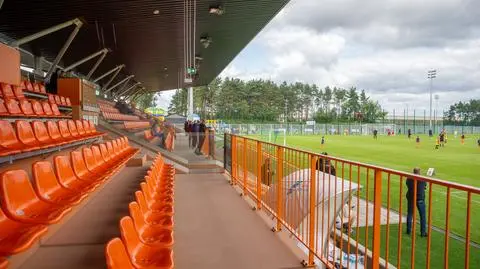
pixel 420 202
pixel 325 165
pixel 201 135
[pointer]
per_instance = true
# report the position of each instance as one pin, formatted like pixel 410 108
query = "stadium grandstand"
pixel 84 183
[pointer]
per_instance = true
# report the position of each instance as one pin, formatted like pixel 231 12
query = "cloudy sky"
pixel 383 46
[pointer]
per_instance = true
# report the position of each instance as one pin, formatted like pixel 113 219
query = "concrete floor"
pixel 214 228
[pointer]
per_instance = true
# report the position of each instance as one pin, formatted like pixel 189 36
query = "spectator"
pixel 201 135
pixel 325 165
pixel 420 202
pixel 157 130
pixel 195 129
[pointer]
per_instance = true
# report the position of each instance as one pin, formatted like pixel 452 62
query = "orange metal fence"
pixel 346 214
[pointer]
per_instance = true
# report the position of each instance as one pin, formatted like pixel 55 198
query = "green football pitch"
pixel 454 162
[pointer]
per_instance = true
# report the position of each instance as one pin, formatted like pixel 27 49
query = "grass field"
pixel 455 162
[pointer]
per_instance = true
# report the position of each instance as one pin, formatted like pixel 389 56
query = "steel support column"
pixel 99 61
pixel 129 89
pixel 133 94
pixel 119 83
pixel 122 88
pixel 63 50
pixel 47 31
pixel 86 59
pixel 109 72
pixel 111 79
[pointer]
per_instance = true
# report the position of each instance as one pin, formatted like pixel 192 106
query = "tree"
pixel 464 112
pixel 178 105
pixel 146 100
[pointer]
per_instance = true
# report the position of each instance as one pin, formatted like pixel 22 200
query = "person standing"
pixel 322 142
pixel 419 198
pixel 375 133
pixel 201 133
pixel 409 133
pixel 194 132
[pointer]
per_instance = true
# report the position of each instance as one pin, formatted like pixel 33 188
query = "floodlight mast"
pixel 431 75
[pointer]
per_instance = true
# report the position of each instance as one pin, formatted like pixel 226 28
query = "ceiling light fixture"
pixel 205 41
pixel 216 10
pixel 156 12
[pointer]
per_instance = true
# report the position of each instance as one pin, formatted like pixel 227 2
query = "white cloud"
pixel 384 47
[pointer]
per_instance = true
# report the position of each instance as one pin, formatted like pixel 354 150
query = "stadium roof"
pixel 145 35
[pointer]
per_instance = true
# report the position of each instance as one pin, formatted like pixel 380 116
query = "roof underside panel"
pixel 150 45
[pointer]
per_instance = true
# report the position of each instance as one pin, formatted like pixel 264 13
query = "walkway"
pixel 216 228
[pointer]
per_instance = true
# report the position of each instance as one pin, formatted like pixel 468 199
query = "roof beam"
pixel 109 72
pixel 102 52
pixel 119 83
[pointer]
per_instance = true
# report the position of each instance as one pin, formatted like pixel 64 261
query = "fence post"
pixel 234 159
pixel 313 217
pixel 279 187
pixel 245 168
pixel 259 175
pixel 377 207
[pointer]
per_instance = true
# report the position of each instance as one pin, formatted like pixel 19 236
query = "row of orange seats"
pixel 136 124
pixel 23 136
pixel 147 234
pixel 8 91
pixel 29 108
pixel 33 86
pixel 29 206
pixel 119 117
pixel 107 108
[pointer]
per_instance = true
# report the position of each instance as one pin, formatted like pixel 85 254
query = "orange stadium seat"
pixel 63 101
pixel 54 133
pixel 86 127
pixel 3 263
pixel 51 98
pixel 21 203
pixel 79 126
pixel 27 86
pixel 26 108
pixel 7 91
pixel 67 100
pixel 81 171
pixel 47 109
pixel 153 220
pixel 36 87
pixel 42 88
pixel 9 143
pixel 141 255
pixel 154 235
pixel 92 164
pixel 72 127
pixel 13 107
pixel 41 133
pixel 18 92
pixel 66 177
pixel 64 131
pixel 160 210
pixel 156 199
pixel 3 108
pixel 38 108
pixel 26 136
pixel 48 188
pixel 16 236
pixel 117 256
pixel 55 110
pixel 58 100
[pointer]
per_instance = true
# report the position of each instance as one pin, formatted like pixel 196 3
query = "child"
pixel 462 139
pixel 418 141
pixel 437 143
pixel 323 142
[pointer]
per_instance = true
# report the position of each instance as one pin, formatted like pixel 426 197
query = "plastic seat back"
pixel 18 92
pixel 26 107
pixel 7 91
pixel 105 154
pixel 78 164
pixel 137 216
pixel 86 127
pixel 80 129
pixel 64 131
pixel 92 127
pixel 3 108
pixel 13 107
pixel 27 85
pixel 63 100
pixel 53 131
pixel 45 180
pixel 58 101
pixel 51 98
pixel 72 128
pixel 17 192
pixel 142 203
pixel 8 137
pixel 63 170
pixel 36 87
pixel 37 108
pixel 67 100
pixel 129 235
pixel 55 110
pixel 41 132
pixel 115 147
pixel 117 256
pixel 97 155
pixel 25 133
pixel 47 109
pixel 110 149
pixel 90 161
pixel 42 88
